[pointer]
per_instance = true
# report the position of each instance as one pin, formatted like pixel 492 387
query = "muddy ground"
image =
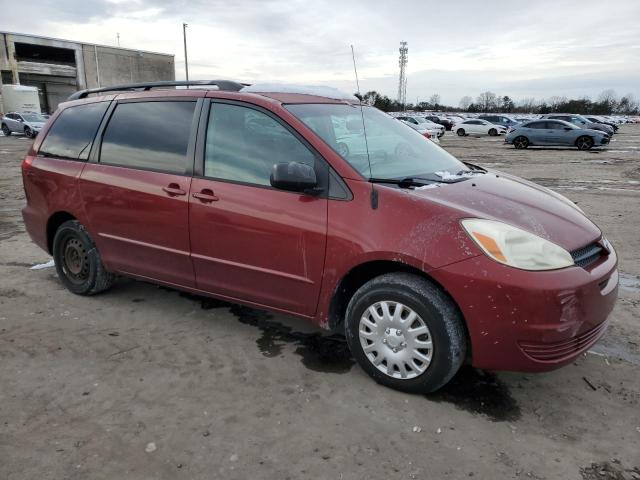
pixel 147 383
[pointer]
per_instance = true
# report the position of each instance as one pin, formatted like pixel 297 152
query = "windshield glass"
pixel 395 151
pixel 33 117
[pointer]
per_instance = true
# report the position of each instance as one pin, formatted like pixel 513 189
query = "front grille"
pixel 585 256
pixel 550 352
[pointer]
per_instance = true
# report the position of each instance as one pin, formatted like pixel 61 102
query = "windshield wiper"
pixel 425 180
pixel 402 183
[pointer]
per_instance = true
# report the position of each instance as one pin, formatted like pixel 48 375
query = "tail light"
pixel 26 164
pixel 426 135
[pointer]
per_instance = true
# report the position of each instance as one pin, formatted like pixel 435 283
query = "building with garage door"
pixel 60 67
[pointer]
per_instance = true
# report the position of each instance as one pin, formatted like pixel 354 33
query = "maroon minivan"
pixel 307 203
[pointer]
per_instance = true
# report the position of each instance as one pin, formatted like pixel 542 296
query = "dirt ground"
pixel 147 383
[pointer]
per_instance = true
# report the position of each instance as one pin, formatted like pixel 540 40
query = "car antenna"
pixel 374 193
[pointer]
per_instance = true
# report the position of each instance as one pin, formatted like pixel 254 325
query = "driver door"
pixel 250 241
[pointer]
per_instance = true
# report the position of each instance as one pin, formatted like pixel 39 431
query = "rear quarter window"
pixel 73 131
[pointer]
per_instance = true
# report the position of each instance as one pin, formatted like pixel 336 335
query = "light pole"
pixel 186 62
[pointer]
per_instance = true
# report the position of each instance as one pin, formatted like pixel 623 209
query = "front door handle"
pixel 173 189
pixel 205 196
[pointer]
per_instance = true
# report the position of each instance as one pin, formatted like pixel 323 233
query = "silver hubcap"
pixel 396 340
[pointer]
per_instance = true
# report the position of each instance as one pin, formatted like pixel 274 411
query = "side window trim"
pixel 323 169
pixel 94 156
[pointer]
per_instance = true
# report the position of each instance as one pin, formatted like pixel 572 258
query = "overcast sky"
pixel 524 49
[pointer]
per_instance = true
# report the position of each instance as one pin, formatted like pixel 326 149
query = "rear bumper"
pixel 531 321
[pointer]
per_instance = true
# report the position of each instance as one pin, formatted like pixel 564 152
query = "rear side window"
pixel 243 144
pixel 72 133
pixel 149 136
pixel 538 125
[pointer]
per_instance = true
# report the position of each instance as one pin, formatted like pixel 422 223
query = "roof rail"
pixel 226 85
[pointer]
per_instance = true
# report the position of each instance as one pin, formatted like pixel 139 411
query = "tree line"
pixel 607 103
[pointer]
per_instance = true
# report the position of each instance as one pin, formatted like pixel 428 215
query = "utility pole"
pixel 186 61
pixel 402 81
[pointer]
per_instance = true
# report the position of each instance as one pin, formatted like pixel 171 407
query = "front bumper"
pixel 531 321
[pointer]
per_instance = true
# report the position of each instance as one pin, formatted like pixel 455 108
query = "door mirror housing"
pixel 294 177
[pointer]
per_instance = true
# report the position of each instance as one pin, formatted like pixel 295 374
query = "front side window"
pixel 243 144
pixel 391 149
pixel 73 131
pixel 149 135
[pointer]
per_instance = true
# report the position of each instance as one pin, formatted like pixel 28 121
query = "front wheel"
pixel 493 132
pixel 461 132
pixel 521 142
pixel 584 143
pixel 405 332
pixel 343 150
pixel 77 260
pixel 28 132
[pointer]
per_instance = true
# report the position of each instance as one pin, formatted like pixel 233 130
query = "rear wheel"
pixel 584 143
pixel 521 142
pixel 6 130
pixel 343 150
pixel 461 132
pixel 78 262
pixel 493 132
pixel 405 332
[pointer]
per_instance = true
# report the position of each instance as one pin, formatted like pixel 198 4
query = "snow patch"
pixel 454 176
pixel 40 266
pixel 316 90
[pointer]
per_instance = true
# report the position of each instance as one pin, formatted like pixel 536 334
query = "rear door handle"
pixel 205 196
pixel 173 189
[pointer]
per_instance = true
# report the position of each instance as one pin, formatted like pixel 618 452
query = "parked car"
pixel 422 130
pixel 555 132
pixel 445 122
pixel 26 123
pixel 580 121
pixel 478 127
pixel 596 119
pixel 434 129
pixel 424 262
pixel 503 120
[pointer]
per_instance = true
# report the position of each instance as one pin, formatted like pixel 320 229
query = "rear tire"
pixel 461 132
pixel 584 143
pixel 493 132
pixel 6 130
pixel 521 142
pixel 405 332
pixel 78 261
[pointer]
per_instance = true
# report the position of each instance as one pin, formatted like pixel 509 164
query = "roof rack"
pixel 226 85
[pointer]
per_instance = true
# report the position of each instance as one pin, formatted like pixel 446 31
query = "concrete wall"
pixel 95 66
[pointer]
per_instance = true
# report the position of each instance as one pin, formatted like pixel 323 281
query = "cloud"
pixel 457 48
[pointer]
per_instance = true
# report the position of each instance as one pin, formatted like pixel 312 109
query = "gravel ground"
pixel 146 383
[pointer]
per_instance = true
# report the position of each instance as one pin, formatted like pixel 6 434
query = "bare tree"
pixel 434 100
pixel 465 102
pixel 487 101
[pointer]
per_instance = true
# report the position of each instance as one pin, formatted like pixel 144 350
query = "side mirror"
pixel 294 177
pixel 20 120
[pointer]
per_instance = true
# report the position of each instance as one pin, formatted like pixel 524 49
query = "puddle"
pixel 612 470
pixel 321 353
pixel 630 283
pixel 479 392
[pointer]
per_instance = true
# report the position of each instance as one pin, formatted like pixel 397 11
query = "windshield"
pixel 395 151
pixel 33 117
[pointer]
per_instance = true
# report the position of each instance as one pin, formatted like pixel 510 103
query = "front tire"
pixel 461 132
pixel 405 332
pixel 343 150
pixel 28 132
pixel 584 143
pixel 78 261
pixel 521 142
pixel 493 132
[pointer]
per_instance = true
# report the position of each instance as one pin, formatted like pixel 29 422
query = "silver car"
pixel 555 132
pixel 580 121
pixel 26 123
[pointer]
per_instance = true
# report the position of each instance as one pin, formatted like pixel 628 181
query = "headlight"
pixel 515 247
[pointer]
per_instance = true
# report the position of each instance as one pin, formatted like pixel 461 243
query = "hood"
pixel 512 200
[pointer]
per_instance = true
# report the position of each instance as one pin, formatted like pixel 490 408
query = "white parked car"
pixel 433 128
pixel 422 131
pixel 476 126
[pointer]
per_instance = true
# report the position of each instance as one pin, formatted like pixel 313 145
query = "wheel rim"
pixel 520 142
pixel 396 340
pixel 75 261
pixel 584 143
